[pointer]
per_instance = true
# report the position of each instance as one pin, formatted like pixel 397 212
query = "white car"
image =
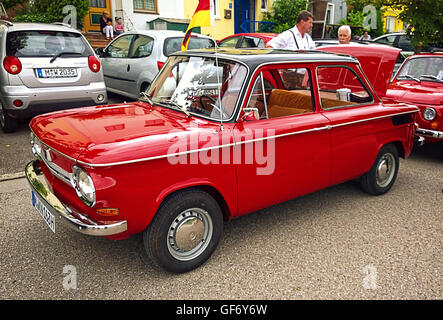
pixel 45 67
pixel 132 60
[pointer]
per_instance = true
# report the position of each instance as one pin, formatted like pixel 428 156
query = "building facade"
pixel 231 16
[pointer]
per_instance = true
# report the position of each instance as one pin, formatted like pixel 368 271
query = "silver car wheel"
pixel 189 234
pixel 385 169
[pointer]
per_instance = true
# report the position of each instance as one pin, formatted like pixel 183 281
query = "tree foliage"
pixel 45 11
pixel 423 17
pixel 284 14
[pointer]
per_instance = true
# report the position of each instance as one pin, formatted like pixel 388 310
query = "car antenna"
pixel 217 68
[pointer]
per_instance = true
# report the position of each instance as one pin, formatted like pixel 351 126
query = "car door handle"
pixel 129 67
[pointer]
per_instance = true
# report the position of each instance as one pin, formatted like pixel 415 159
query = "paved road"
pixel 338 243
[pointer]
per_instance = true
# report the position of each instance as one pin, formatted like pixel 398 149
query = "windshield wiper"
pixel 58 55
pixel 179 107
pixel 411 77
pixel 430 76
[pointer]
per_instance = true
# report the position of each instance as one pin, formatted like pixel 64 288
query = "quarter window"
pixel 340 87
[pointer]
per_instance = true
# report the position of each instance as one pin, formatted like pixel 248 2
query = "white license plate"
pixel 47 216
pixel 57 73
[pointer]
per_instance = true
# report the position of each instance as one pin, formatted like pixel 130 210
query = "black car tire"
pixel 184 232
pixel 7 123
pixel 383 173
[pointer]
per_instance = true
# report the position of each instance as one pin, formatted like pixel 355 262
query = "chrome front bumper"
pixel 429 133
pixel 73 220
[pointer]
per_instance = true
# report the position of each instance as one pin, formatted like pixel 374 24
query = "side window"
pixel 290 94
pixel 120 47
pixel 386 40
pixel 340 87
pixel 230 43
pixel 251 42
pixel 405 44
pixel 142 47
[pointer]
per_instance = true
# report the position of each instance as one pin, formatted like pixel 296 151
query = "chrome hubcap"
pixel 189 234
pixel 385 170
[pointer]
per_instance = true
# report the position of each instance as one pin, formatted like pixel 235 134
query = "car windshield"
pixel 46 44
pixel 199 85
pixel 422 69
pixel 174 44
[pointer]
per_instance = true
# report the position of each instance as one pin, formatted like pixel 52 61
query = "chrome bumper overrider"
pixel 429 133
pixel 63 213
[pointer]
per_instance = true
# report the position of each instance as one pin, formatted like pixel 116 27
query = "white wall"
pixel 166 9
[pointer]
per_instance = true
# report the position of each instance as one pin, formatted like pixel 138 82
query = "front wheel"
pixel 185 231
pixel 383 173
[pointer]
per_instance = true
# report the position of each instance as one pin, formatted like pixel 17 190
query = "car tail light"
pixel 12 64
pixel 160 65
pixel 94 64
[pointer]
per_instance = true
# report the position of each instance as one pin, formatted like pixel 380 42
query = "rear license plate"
pixel 57 73
pixel 47 216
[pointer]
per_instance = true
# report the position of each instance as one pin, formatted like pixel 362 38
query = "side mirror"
pixel 250 114
pixel 100 52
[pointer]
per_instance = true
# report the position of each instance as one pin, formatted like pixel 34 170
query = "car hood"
pixel 377 62
pixel 112 134
pixel 412 92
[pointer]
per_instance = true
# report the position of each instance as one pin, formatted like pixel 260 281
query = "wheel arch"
pixel 209 189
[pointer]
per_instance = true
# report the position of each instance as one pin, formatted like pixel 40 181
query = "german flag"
pixel 201 18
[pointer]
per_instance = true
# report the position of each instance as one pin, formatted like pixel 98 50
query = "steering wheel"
pixel 214 105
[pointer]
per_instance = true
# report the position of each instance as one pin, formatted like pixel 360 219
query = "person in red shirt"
pixel 119 27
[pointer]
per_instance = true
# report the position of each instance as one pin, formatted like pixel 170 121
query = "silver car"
pixel 132 60
pixel 45 67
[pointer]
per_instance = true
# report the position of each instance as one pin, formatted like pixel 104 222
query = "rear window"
pixel 174 44
pixel 45 43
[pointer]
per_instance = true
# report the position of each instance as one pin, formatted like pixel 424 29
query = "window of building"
pixel 145 5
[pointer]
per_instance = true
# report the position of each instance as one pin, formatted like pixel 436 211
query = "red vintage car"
pixel 217 135
pixel 420 81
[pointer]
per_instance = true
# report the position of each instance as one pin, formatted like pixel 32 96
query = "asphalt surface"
pixel 338 243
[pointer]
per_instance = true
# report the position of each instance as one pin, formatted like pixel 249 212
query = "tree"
pixel 423 17
pixel 48 11
pixel 284 14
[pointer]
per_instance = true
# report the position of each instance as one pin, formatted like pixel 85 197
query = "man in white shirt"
pixel 296 38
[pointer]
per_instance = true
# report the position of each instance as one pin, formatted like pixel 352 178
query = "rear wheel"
pixel 185 231
pixel 383 173
pixel 7 123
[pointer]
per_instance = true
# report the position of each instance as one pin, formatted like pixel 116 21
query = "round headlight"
pixel 429 114
pixel 83 185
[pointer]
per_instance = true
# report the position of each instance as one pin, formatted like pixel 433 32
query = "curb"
pixel 12 176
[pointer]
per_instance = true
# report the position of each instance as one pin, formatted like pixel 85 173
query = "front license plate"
pixel 47 216
pixel 57 73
